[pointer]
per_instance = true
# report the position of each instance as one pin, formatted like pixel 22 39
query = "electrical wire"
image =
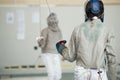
pixel 48 6
pixel 40 11
pixel 40 15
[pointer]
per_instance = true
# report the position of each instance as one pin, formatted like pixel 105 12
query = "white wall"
pixel 17 52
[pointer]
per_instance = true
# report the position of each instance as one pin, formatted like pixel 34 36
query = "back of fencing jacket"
pixel 88 44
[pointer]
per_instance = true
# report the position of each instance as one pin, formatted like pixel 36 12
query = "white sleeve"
pixel 43 41
pixel 70 52
pixel 111 56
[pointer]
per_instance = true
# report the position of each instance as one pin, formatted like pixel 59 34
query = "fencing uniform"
pixel 89 74
pixel 50 56
pixel 89 44
pixel 53 66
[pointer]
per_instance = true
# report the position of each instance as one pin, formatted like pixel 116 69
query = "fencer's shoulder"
pixel 76 28
pixel 44 31
pixel 109 31
pixel 79 26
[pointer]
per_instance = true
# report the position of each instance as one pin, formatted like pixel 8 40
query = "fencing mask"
pixel 94 8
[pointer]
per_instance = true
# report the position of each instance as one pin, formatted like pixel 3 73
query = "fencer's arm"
pixel 43 37
pixel 40 41
pixel 69 53
pixel 111 57
pixel 60 46
pixel 62 49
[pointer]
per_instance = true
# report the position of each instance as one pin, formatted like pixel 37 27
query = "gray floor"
pixel 65 76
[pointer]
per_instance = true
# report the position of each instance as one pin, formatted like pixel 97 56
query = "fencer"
pixel 89 44
pixel 48 38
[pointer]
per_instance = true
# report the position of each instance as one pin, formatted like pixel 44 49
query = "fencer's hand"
pixel 40 40
pixel 60 46
pixel 62 42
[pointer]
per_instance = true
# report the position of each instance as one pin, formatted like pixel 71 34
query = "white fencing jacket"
pixel 88 45
pixel 51 36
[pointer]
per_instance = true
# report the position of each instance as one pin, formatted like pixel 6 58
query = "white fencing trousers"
pixel 89 74
pixel 53 65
